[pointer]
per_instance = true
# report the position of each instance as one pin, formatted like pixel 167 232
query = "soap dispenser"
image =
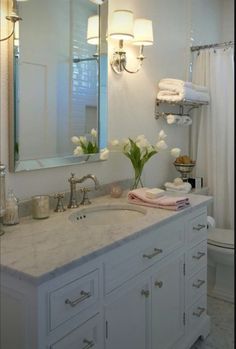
pixel 11 215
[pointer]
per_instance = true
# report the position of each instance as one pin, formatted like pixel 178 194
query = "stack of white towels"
pixel 178 186
pixel 174 90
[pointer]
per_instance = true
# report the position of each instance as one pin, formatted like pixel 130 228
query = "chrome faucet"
pixel 73 198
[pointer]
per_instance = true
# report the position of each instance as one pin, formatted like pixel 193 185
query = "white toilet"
pixel 221 259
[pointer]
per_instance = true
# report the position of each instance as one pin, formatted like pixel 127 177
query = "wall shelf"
pixel 185 106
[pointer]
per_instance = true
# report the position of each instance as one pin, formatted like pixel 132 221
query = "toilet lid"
pixel 221 237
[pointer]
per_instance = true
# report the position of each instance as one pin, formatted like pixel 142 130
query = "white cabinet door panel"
pixel 168 304
pixel 126 318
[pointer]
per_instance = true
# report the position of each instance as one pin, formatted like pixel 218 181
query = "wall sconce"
pixel 13 18
pixel 124 28
pixel 92 38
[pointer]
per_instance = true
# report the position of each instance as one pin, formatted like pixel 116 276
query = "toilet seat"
pixel 221 238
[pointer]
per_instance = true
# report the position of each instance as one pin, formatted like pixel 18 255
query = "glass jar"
pixel 11 215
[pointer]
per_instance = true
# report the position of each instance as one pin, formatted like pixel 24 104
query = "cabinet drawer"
pixel 85 337
pixel 196 286
pixel 196 258
pixel 73 298
pixel 197 227
pixel 196 313
pixel 131 259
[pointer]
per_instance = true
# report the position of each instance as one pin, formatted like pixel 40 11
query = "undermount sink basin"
pixel 107 214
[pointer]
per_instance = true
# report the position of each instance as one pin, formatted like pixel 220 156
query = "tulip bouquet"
pixel 84 145
pixel 138 151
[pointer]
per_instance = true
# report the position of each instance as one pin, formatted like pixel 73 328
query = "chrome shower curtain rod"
pixel 202 47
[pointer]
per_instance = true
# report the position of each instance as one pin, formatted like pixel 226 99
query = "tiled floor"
pixel 222 326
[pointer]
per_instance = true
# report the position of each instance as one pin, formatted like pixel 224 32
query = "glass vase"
pixel 137 181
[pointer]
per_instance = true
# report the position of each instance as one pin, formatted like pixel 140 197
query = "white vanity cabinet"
pixel 148 292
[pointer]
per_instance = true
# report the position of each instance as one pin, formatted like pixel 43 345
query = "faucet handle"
pixel 72 177
pixel 59 206
pixel 85 200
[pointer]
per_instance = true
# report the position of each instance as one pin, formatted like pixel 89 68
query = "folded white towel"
pixel 185 186
pixel 184 93
pixel 154 193
pixel 184 191
pixel 176 82
pixel 167 87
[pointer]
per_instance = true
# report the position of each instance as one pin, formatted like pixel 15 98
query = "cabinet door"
pixel 126 318
pixel 168 304
pixel 86 336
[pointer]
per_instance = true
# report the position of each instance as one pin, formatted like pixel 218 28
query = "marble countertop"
pixel 39 250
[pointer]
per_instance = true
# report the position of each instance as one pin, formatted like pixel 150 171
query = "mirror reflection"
pixel 60 82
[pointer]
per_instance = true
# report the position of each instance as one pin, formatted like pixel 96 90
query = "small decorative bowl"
pixel 184 169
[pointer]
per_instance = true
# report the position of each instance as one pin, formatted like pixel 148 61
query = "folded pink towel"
pixel 175 203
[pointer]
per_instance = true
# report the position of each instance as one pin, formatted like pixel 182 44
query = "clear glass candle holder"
pixel 40 207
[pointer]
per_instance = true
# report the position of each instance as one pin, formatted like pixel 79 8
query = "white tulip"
pixel 104 154
pixel 162 135
pixel 175 152
pixel 150 148
pixel 94 132
pixel 143 143
pixel 139 138
pixel 75 140
pixel 78 150
pixel 125 143
pixel 161 145
pixel 83 139
pixel 114 142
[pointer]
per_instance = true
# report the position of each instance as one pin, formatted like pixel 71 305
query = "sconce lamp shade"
pixel 93 30
pixel 122 23
pixel 143 33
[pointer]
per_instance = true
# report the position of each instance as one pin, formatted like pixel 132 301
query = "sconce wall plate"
pixel 119 60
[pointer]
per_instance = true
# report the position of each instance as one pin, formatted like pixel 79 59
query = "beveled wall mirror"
pixel 58 82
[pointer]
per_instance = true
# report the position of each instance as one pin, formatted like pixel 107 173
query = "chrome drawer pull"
pixel 145 293
pixel 84 295
pixel 155 253
pixel 199 255
pixel 200 312
pixel 199 227
pixel 90 344
pixel 199 283
pixel 159 284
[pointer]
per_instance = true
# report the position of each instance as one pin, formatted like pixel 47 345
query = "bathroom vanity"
pixel 140 284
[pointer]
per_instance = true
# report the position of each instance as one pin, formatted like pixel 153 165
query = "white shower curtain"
pixel 212 132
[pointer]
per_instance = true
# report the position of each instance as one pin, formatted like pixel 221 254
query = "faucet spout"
pixel 90 176
pixel 73 195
